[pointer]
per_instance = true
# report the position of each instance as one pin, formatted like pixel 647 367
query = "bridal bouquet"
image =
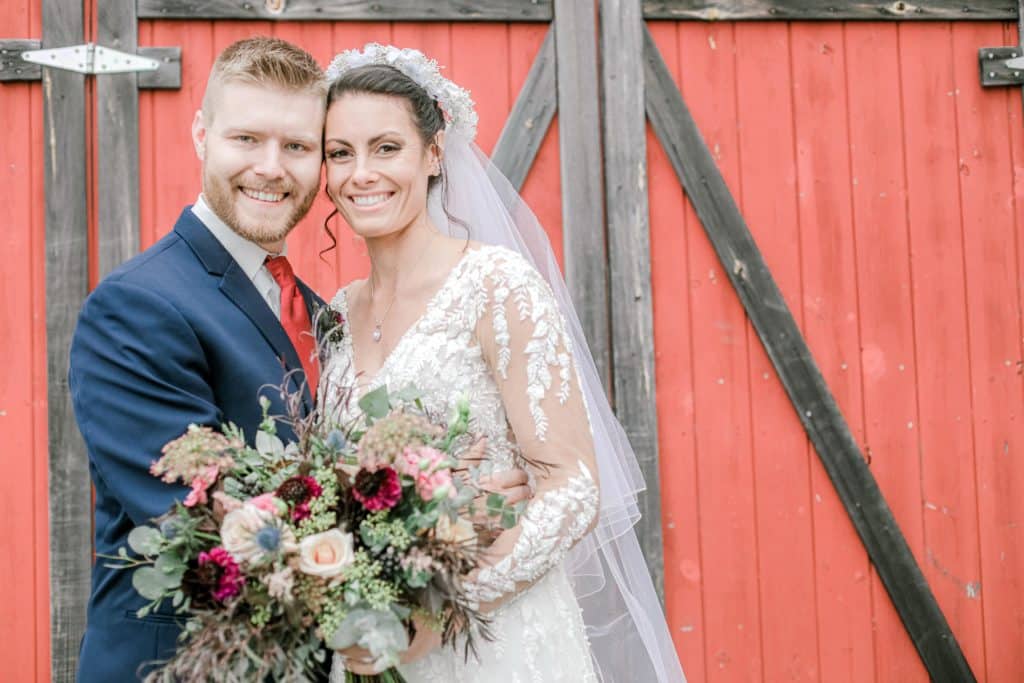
pixel 281 552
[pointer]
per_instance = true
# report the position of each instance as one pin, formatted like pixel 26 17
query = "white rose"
pixel 459 532
pixel 238 532
pixel 326 554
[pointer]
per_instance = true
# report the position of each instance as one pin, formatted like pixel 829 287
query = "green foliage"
pixel 145 540
pixel 376 404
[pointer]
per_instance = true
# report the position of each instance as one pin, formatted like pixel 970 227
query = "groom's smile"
pixel 260 148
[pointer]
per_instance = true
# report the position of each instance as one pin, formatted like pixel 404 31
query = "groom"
pixel 195 328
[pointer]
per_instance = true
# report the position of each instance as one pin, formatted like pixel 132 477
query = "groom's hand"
pixel 514 485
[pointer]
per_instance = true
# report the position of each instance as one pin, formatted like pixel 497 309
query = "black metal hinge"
pixel 1001 66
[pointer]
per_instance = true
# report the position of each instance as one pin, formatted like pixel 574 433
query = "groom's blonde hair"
pixel 262 60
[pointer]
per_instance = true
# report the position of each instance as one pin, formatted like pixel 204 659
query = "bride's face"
pixel 377 163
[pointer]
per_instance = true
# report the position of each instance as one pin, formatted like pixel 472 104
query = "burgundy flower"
pixel 379 490
pixel 298 492
pixel 229 579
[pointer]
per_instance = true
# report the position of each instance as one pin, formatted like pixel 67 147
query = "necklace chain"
pixel 378 323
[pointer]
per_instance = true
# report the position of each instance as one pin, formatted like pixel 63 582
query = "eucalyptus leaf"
pixel 172 567
pixel 149 583
pixel 376 403
pixel 409 394
pixel 508 519
pixel 145 540
pixel 495 503
pixel 269 445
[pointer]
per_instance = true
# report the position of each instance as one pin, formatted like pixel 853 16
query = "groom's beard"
pixel 222 196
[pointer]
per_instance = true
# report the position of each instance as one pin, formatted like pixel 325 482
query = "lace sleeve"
pixel 524 342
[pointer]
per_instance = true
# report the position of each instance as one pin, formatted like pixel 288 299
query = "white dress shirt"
pixel 249 255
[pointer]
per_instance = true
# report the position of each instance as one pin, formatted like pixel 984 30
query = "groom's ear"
pixel 199 135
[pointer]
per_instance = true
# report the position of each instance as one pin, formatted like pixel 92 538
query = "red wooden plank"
pixel 733 650
pixel 886 361
pixel 991 241
pixel 674 379
pixel 1009 476
pixel 168 165
pixel 543 187
pixel 147 159
pixel 18 458
pixel 24 638
pixel 37 325
pixel 951 562
pixel 485 78
pixel 785 568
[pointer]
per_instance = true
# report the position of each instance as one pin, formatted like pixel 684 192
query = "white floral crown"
pixel 455 101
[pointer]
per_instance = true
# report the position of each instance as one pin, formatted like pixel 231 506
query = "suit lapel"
pixel 238 288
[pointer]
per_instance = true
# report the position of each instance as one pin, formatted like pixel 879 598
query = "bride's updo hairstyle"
pixel 427 116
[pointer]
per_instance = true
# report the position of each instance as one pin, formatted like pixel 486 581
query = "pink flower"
pixel 379 490
pixel 230 579
pixel 266 502
pixel 200 483
pixel 438 483
pixel 426 466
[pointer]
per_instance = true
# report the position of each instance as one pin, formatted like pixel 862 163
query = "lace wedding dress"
pixel 493 334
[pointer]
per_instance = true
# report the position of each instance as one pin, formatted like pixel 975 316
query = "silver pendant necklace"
pixel 378 323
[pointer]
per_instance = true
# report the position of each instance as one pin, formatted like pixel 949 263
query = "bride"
pixel 464 299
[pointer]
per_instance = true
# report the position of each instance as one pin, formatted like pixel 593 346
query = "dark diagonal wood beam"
pixel 789 353
pixel 530 118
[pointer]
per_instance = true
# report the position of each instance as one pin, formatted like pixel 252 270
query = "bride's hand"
pixel 358 660
pixel 423 643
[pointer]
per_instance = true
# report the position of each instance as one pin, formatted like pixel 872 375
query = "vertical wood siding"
pixel 24 589
pixel 886 191
pixel 882 184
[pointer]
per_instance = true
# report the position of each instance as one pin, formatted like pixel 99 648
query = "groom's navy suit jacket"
pixel 177 335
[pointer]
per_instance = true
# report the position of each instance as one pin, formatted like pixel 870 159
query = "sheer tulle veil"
pixel 626 627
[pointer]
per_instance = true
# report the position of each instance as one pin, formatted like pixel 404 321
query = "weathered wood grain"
pixel 804 10
pixel 168 76
pixel 801 377
pixel 531 116
pixel 579 135
pixel 117 124
pixel 67 282
pixel 629 257
pixel 349 10
pixel 12 66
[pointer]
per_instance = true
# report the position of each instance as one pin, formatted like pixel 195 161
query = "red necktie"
pixel 295 318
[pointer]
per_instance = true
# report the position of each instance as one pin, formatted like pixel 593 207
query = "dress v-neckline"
pixel 370 380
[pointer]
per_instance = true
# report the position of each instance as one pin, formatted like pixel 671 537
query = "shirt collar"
pixel 249 255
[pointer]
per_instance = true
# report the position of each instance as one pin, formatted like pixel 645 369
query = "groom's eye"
pixel 245 138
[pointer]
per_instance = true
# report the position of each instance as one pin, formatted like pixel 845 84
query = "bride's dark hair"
pixel 380 79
